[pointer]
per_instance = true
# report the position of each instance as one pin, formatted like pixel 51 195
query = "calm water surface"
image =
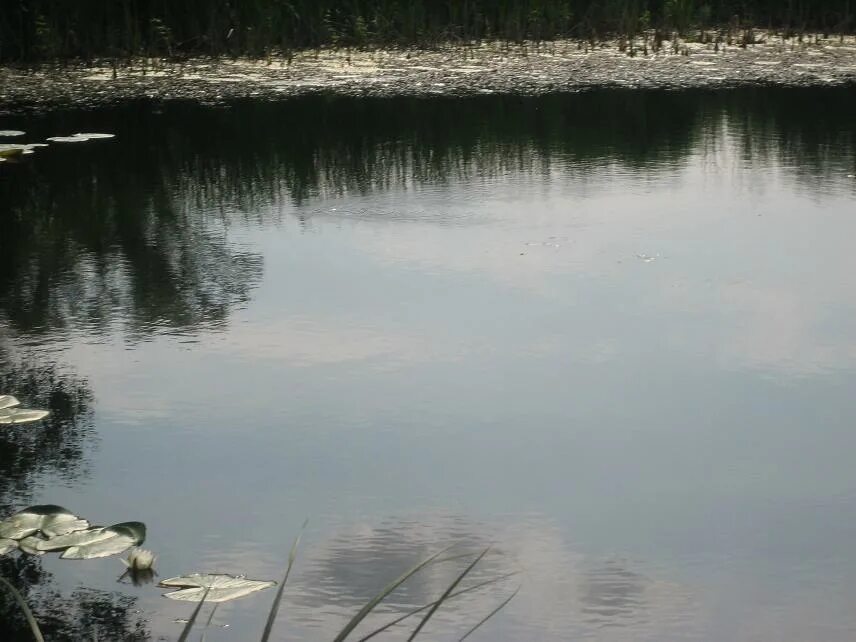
pixel 610 334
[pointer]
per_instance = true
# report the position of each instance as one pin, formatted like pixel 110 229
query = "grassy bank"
pixel 36 30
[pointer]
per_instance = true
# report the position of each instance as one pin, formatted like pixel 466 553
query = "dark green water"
pixel 609 333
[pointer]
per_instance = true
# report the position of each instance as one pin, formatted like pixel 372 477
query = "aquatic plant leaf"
pixel 30 545
pixel 79 138
pixel 11 132
pixel 490 615
pixel 10 416
pixel 7 546
pixel 384 592
pixel 447 593
pixel 220 587
pixel 76 538
pixel 56 519
pixel 110 540
pixel 62 524
pixel 136 530
pixel 9 151
pixel 7 401
pixel 425 607
pixel 101 548
pixel 274 609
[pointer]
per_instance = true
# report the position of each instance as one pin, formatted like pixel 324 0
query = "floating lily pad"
pixel 67 139
pixel 83 537
pixel 13 150
pixel 50 519
pixel 103 542
pixel 10 151
pixel 7 401
pixel 30 545
pixel 79 138
pixel 11 132
pixel 221 588
pixel 7 545
pixel 21 415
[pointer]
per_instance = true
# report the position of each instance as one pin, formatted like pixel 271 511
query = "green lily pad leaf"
pixel 220 587
pixel 21 415
pixel 79 138
pixel 52 520
pixel 103 542
pixel 83 537
pixel 10 151
pixel 7 546
pixel 30 545
pixel 11 132
pixel 7 401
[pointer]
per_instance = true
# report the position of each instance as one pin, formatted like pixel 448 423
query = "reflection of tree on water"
pixel 83 615
pixel 99 239
pixel 29 454
pixel 55 446
pixel 135 229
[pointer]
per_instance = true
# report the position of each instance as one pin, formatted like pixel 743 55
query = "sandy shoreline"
pixel 486 68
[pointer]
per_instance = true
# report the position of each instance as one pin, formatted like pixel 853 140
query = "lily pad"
pixel 77 538
pixel 7 401
pixel 30 545
pixel 10 151
pixel 220 587
pixel 52 520
pixel 79 138
pixel 6 133
pixel 21 415
pixel 103 542
pixel 7 545
pixel 67 139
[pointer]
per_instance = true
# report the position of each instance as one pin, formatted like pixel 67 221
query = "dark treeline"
pixel 58 29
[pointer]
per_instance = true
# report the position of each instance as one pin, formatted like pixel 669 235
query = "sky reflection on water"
pixel 607 333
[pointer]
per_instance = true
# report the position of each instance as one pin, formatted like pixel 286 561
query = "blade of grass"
pixel 386 590
pixel 274 609
pixel 453 558
pixel 490 615
pixel 430 604
pixel 31 620
pixel 189 625
pixel 208 622
pixel 446 594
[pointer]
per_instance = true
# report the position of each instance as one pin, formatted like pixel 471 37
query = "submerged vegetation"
pixel 33 30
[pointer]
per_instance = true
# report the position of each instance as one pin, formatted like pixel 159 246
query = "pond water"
pixel 609 334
